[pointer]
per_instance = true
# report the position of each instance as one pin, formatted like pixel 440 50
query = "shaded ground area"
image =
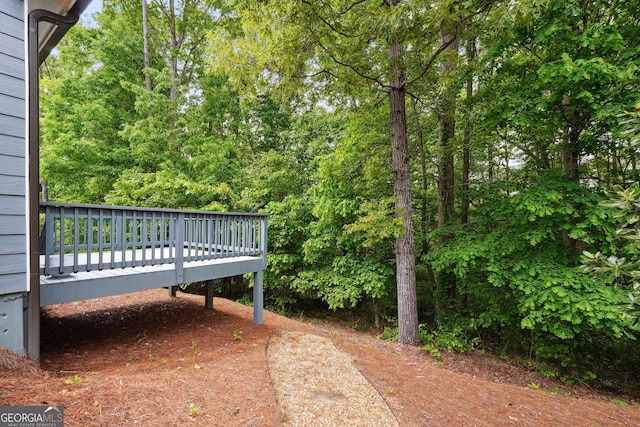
pixel 149 360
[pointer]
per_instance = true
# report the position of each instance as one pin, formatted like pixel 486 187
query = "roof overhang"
pixel 50 34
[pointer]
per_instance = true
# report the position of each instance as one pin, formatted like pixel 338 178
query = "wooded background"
pixel 461 171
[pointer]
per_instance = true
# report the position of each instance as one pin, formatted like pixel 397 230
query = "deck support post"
pixel 258 298
pixel 173 291
pixel 208 298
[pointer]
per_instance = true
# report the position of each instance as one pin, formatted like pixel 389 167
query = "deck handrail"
pixel 83 237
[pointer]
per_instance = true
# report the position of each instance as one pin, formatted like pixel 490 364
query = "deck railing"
pixel 78 238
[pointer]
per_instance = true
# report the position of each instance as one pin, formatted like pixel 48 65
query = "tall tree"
pixel 353 49
pixel 466 143
pixel 145 46
pixel 405 258
pixel 447 127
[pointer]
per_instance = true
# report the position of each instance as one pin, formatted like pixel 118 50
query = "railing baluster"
pixel 216 236
pixel 101 240
pixel 88 238
pixel 133 236
pixel 62 239
pixel 246 236
pixel 125 241
pixel 211 238
pixel 113 232
pixel 172 238
pixel 185 245
pixel 179 237
pixel 201 234
pixel 255 238
pixel 227 235
pixel 193 240
pixel 49 229
pixel 152 242
pixel 143 238
pixel 162 237
pixel 234 229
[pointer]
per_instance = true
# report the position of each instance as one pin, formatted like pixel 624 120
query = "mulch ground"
pixel 146 359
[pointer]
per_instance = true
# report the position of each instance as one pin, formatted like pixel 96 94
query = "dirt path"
pixel 144 359
pixel 317 385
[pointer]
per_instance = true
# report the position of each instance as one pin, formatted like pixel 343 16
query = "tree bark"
pixel 446 134
pixel 173 59
pixel 405 257
pixel 466 144
pixel 569 151
pixel 145 37
pixel 446 290
pixel 424 202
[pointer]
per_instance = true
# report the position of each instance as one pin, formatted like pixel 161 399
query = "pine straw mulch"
pixel 145 359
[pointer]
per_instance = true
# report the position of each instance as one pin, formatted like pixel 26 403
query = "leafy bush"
pixel 389 333
pixel 622 268
pixel 454 334
pixel 517 271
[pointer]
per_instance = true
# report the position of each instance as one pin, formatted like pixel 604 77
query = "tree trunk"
pixel 570 152
pixel 570 156
pixel 405 258
pixel 466 144
pixel 424 202
pixel 446 134
pixel 173 60
pixel 145 37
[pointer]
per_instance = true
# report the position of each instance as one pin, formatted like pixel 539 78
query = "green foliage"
pixel 622 269
pixel 522 275
pixel 288 222
pixel 389 333
pixel 456 334
pixel 245 300
pixel 194 410
pixel 81 151
pixel 77 379
pixel 346 281
pixel 564 77
pixel 169 189
pixel 350 245
pixel 107 138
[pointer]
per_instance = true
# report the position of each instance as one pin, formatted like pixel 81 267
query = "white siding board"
pixel 12 205
pixel 12 224
pixel 10 245
pixel 11 166
pixel 10 283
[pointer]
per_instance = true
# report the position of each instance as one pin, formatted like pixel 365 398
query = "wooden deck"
pixel 90 251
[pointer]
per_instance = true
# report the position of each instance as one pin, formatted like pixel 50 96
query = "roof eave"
pixel 55 34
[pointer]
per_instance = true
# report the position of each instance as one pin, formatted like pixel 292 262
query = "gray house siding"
pixel 13 250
